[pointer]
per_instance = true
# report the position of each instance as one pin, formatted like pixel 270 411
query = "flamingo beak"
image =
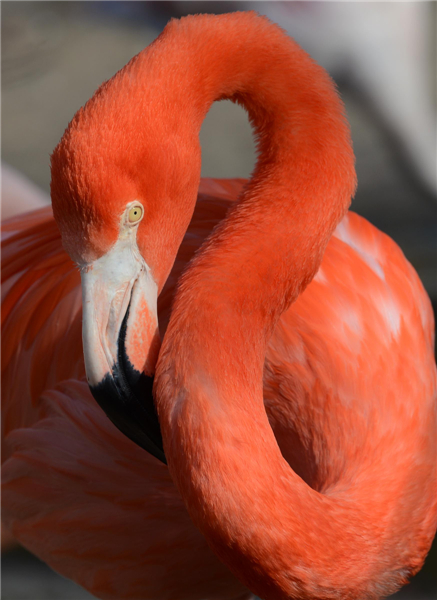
pixel 121 341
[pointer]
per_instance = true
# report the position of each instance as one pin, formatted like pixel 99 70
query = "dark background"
pixel 382 56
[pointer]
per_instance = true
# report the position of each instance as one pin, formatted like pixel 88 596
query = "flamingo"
pixel 292 453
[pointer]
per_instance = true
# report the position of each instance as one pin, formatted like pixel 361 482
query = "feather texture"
pixel 102 511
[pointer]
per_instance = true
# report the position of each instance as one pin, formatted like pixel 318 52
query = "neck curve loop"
pixel 256 513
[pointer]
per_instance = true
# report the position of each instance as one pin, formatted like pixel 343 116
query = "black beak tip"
pixel 126 397
pixel 136 419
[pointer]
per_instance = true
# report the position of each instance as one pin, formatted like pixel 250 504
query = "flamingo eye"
pixel 135 213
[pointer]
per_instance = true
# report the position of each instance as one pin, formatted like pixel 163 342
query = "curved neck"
pixel 304 177
pixel 257 514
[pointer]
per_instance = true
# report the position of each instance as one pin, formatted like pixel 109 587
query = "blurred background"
pixel 382 56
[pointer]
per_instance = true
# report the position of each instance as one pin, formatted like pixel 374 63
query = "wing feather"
pixel 100 510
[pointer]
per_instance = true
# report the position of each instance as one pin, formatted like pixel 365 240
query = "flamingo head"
pixel 122 200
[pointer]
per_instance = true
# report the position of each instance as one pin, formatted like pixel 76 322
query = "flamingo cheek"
pixel 142 340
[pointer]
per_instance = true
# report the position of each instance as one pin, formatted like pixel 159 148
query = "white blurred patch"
pixel 320 277
pixel 389 311
pixel 343 233
pixel 352 320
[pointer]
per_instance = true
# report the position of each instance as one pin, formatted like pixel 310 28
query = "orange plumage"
pixel 295 318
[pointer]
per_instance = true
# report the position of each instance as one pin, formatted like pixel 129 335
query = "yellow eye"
pixel 135 213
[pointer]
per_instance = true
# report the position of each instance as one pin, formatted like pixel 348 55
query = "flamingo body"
pixel 296 384
pixel 68 464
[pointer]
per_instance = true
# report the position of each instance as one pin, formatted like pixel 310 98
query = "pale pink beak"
pixel 121 340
